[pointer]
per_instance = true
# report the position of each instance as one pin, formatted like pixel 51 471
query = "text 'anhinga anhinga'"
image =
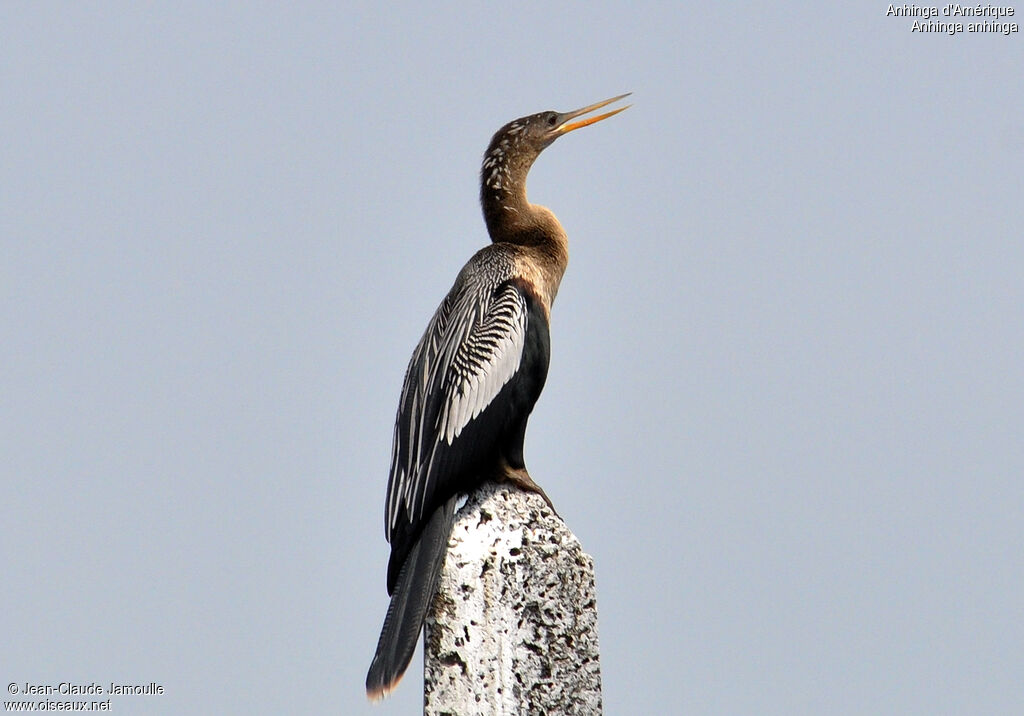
pixel 472 381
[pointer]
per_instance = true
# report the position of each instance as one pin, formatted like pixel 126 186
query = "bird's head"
pixel 515 146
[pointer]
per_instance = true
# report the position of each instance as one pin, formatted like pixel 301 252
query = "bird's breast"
pixel 538 276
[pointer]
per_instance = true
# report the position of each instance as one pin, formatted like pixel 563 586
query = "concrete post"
pixel 513 629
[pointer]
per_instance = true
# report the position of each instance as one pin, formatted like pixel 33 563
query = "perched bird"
pixel 472 381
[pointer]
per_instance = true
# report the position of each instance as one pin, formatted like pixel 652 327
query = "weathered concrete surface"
pixel 513 629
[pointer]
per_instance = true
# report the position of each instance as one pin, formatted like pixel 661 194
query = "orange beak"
pixel 567 125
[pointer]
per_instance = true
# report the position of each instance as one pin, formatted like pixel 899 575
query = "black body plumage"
pixel 469 388
pixel 471 383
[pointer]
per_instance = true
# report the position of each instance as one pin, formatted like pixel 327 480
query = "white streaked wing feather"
pixel 486 361
pixel 470 350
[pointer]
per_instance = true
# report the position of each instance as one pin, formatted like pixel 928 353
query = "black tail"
pixel 412 596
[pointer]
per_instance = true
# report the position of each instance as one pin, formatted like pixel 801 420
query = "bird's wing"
pixel 472 347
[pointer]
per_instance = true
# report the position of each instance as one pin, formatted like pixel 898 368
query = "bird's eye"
pixel 552 118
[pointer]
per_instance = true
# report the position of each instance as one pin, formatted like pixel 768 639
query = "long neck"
pixel 509 214
pixel 503 189
pixel 511 218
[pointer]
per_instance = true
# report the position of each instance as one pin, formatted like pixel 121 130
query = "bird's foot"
pixel 521 478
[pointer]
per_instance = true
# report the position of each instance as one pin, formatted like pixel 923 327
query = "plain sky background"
pixel 784 411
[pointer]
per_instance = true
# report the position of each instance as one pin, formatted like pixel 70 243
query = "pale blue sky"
pixel 784 408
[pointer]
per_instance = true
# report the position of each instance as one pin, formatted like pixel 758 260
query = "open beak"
pixel 567 125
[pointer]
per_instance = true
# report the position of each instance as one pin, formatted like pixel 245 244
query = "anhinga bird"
pixel 472 381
